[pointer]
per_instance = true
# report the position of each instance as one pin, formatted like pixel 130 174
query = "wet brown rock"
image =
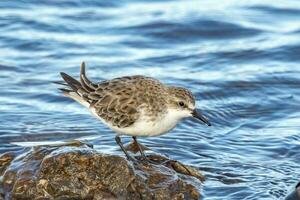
pixel 77 171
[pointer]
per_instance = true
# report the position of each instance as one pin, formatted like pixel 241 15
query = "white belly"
pixel 149 128
pixel 145 127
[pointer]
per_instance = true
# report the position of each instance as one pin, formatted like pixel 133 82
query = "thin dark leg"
pixel 119 142
pixel 139 147
pixel 141 151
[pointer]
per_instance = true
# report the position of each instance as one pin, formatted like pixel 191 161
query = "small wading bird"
pixel 133 105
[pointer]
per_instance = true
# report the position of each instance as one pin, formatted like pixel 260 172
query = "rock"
pixel 77 171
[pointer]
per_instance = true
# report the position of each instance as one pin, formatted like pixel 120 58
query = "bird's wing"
pixel 116 101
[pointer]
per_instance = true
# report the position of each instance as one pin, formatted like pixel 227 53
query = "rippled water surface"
pixel 240 59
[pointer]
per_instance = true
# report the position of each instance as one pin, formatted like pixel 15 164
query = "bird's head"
pixel 182 102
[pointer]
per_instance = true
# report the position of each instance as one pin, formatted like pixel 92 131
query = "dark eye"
pixel 181 103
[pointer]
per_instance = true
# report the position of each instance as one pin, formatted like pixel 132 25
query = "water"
pixel 241 59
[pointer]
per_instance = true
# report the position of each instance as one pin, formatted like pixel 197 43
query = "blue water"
pixel 240 58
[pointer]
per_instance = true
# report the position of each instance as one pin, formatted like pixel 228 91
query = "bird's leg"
pixel 142 152
pixel 139 147
pixel 119 142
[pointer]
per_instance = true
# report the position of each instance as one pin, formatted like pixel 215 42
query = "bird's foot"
pixel 146 160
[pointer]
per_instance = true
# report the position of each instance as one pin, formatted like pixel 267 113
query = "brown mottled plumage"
pixel 118 100
pixel 133 105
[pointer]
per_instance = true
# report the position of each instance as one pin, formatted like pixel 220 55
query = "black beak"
pixel 200 117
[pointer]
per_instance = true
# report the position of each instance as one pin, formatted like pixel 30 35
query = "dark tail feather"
pixel 85 82
pixel 72 83
pixel 76 90
pixel 60 83
pixel 65 90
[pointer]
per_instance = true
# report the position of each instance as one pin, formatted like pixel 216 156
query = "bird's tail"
pixel 77 90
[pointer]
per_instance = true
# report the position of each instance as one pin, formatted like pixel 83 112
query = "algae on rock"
pixel 77 171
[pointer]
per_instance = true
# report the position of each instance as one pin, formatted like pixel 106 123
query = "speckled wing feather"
pixel 119 100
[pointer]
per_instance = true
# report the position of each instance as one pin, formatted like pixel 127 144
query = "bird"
pixel 136 106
